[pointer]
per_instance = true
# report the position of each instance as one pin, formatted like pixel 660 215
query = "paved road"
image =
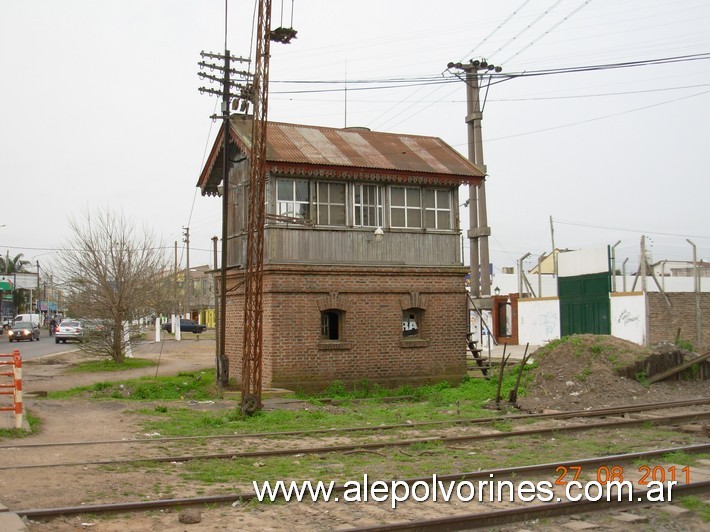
pixel 29 350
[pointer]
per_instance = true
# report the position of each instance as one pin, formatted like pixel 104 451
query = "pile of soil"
pixel 583 371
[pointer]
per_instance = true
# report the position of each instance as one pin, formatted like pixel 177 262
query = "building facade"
pixel 363 276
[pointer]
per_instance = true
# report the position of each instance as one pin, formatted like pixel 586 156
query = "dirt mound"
pixel 583 371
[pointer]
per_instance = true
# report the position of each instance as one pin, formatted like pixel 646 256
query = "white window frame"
pixel 325 205
pixel 361 208
pixel 436 209
pixel 291 204
pixel 406 208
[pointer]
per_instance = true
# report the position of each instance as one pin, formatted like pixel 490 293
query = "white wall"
pixel 508 284
pixel 628 317
pixel 538 320
pixel 583 262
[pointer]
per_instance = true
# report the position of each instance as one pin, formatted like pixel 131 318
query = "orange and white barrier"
pixel 14 389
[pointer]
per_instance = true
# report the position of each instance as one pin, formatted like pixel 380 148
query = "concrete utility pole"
pixel 188 281
pixel 696 289
pixel 227 97
pixel 479 231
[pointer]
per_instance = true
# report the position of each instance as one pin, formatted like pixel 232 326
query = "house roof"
pixel 354 153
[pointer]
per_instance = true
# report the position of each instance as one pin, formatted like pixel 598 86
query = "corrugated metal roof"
pixel 351 151
pixel 358 148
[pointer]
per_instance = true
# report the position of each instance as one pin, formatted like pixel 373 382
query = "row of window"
pixel 362 205
pixel 332 323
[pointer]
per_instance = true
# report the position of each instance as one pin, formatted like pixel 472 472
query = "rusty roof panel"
pixel 358 148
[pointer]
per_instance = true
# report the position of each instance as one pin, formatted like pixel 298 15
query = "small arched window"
pixel 412 322
pixel 331 324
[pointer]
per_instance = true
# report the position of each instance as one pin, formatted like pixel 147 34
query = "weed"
pixel 108 364
pixel 586 372
pixel 694 504
pixel 684 344
pixel 642 377
pixel 33 421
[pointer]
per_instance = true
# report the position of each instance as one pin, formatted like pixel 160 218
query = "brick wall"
pixel 665 321
pixel 371 346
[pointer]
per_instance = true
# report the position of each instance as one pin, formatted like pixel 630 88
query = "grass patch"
pixel 33 421
pixel 108 364
pixel 694 504
pixel 198 386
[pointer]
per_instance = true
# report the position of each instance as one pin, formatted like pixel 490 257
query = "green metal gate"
pixel 584 304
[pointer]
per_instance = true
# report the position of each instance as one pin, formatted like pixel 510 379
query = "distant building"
pixel 678 268
pixel 363 275
pixel 547 264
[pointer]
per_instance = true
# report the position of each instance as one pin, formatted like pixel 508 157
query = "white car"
pixel 69 330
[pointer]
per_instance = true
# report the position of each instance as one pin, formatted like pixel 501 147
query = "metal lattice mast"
pixel 253 286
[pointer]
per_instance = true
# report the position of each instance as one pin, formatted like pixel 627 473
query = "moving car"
pixel 23 330
pixel 69 330
pixel 186 326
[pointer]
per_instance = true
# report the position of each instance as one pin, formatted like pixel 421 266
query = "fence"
pixel 15 388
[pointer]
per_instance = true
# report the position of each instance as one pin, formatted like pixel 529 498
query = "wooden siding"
pixel 330 246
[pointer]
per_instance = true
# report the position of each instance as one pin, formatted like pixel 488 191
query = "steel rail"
pixel 660 420
pixel 514 515
pixel 598 412
pixel 246 497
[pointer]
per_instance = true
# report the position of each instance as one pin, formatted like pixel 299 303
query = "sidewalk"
pixel 516 352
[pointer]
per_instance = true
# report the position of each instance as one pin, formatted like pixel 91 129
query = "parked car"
pixel 23 330
pixel 186 326
pixel 69 330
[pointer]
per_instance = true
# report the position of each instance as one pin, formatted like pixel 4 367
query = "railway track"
pixel 230 454
pixel 429 515
pixel 569 414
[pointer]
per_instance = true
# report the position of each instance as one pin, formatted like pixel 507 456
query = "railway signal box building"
pixel 363 277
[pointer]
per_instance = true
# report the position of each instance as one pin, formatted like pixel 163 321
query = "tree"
pixel 9 266
pixel 113 274
pixel 13 265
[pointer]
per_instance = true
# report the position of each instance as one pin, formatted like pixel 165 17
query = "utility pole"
pixel 188 280
pixel 39 296
pixel 696 289
pixel 222 362
pixel 175 278
pixel 227 96
pixel 479 231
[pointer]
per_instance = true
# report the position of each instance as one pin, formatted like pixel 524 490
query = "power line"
pixel 526 28
pixel 570 124
pixel 396 83
pixel 627 230
pixel 491 34
pixel 565 19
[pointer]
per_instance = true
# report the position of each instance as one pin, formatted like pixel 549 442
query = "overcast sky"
pixel 99 106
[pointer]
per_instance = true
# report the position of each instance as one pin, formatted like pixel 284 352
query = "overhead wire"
pixel 492 33
pixel 526 28
pixel 547 32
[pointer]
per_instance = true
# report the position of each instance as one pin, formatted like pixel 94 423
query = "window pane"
pixel 443 219
pixel 413 197
pixel 397 217
pixel 337 193
pixel 337 215
pixel 429 199
pixel 414 218
pixel 301 211
pixel 284 190
pixel 443 199
pixel 301 190
pixel 323 192
pixel 397 196
pixel 430 220
pixel 410 322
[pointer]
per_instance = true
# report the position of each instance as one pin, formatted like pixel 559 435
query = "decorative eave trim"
pixel 366 174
